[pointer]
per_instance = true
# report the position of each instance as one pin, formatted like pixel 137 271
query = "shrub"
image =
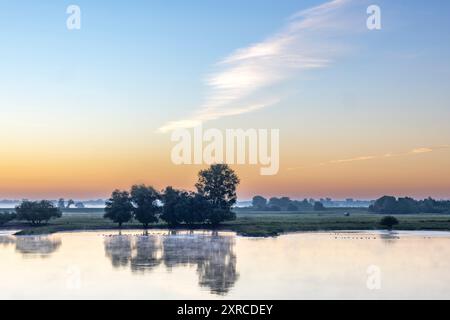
pixel 389 222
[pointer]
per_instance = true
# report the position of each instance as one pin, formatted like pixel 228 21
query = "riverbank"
pixel 254 224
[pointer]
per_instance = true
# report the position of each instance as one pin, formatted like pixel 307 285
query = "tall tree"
pixel 145 201
pixel 218 184
pixel 119 208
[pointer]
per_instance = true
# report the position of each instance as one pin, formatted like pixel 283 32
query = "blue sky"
pixel 136 66
pixel 166 46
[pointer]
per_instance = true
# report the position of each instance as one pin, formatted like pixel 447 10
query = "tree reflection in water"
pixel 119 249
pixel 146 258
pixel 6 240
pixel 41 246
pixel 212 254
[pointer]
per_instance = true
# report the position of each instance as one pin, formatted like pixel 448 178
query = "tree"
pixel 386 204
pixel 119 208
pixel 406 205
pixel 173 206
pixel 318 206
pixel 283 203
pixel 259 203
pixel 389 222
pixel 304 205
pixel 218 185
pixel 145 201
pixel 79 205
pixel 37 212
pixel 275 202
pixel 69 203
pixel 198 210
pixel 218 215
pixel 6 217
pixel 61 203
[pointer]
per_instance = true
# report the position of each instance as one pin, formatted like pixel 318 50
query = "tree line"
pixel 285 204
pixel 211 203
pixel 406 205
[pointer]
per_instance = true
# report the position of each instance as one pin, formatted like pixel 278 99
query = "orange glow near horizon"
pixel 90 175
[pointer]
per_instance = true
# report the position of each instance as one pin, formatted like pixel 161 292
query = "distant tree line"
pixel 62 204
pixel 211 203
pixel 6 217
pixel 392 205
pixel 285 204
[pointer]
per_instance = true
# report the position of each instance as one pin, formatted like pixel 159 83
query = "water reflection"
pixel 147 254
pixel 389 238
pixel 119 250
pixel 212 254
pixel 6 240
pixel 32 246
pixel 41 247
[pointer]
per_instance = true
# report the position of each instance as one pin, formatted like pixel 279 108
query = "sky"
pixel 361 113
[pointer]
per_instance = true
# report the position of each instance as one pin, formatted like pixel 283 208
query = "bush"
pixel 37 212
pixel 389 222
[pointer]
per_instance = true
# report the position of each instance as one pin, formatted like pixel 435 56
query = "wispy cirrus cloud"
pixel 412 152
pixel 310 40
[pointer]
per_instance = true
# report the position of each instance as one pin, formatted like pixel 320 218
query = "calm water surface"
pixel 206 265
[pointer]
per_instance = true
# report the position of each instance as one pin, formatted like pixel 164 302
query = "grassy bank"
pixel 260 224
pixel 272 225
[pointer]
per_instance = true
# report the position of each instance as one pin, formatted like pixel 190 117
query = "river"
pixel 207 265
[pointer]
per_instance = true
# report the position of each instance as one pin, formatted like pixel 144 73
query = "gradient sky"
pixel 366 113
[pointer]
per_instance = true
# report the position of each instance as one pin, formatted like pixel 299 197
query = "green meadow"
pixel 250 223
